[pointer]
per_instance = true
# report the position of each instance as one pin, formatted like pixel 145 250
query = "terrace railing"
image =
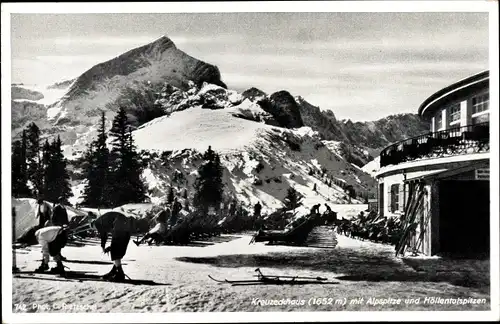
pixel 454 141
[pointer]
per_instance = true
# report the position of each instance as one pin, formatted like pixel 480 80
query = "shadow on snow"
pixel 363 265
pixel 81 276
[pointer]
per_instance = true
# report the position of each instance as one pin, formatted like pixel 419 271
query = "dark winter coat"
pixel 60 216
pixel 115 223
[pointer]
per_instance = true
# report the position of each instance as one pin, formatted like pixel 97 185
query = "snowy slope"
pixel 261 161
pixel 372 167
pixel 198 128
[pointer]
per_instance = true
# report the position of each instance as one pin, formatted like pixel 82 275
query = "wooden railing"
pixel 454 141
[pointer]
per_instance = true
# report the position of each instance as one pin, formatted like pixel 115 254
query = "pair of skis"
pixel 272 280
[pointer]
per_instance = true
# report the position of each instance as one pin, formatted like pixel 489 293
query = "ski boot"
pixel 117 276
pixel 109 274
pixel 58 269
pixel 137 242
pixel 42 268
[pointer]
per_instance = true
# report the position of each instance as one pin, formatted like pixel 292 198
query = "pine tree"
pixel 314 188
pixel 16 171
pixel 62 178
pixel 126 166
pixel 185 194
pixel 208 185
pixel 293 199
pixel 34 168
pixel 19 168
pixel 170 197
pixel 56 180
pixel 134 164
pixel 97 191
pixel 233 207
pixel 49 172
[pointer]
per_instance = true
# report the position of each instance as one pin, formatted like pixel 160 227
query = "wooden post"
pixel 14 265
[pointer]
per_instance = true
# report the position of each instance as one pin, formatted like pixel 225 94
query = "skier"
pixel 330 215
pixel 52 239
pixel 161 226
pixel 257 209
pixel 176 208
pixel 60 218
pixel 59 214
pixel 121 228
pixel 315 210
pixel 257 216
pixel 43 212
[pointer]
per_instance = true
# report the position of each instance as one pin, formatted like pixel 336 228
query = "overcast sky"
pixel 362 66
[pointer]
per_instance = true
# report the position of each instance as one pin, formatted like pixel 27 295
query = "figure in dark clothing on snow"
pixel 257 209
pixel 121 228
pixel 329 216
pixel 59 214
pixel 330 213
pixel 315 209
pixel 60 218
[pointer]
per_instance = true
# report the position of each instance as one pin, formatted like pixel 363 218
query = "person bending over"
pixel 52 239
pixel 121 228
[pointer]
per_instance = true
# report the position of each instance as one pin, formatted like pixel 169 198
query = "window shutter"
pixel 394 192
pixel 389 198
pixel 401 198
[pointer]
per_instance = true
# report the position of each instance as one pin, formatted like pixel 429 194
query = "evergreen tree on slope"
pixel 208 185
pixel 97 191
pixel 33 157
pixel 293 199
pixel 56 179
pixel 126 169
pixel 19 169
pixel 62 178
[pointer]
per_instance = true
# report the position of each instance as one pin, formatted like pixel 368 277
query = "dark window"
pixel 480 103
pixel 454 113
pixel 439 121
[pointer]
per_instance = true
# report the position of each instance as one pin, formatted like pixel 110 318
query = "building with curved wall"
pixel 438 182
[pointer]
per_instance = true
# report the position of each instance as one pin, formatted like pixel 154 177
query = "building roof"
pixel 431 163
pixel 453 91
pixel 445 173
